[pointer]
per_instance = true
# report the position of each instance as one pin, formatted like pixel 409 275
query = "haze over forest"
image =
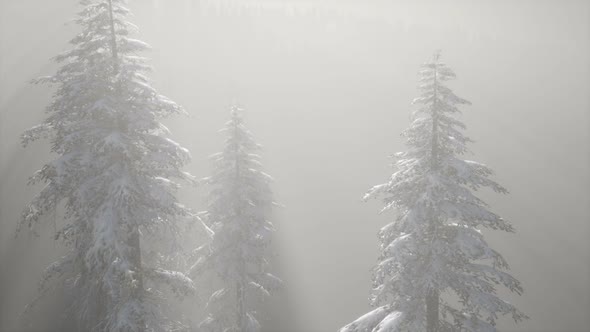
pixel 326 88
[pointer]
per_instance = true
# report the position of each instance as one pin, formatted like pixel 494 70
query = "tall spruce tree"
pixel 238 217
pixel 113 171
pixel 436 272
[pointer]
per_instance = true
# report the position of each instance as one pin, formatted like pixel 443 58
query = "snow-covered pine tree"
pixel 240 202
pixel 436 272
pixel 113 172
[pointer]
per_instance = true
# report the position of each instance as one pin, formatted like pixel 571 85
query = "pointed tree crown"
pixel 114 170
pixel 435 246
pixel 240 203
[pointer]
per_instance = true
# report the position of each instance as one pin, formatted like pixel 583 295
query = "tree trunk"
pixel 240 302
pixel 135 258
pixel 432 311
pixel 434 152
pixel 101 306
pixel 239 285
pixel 114 49
pixel 432 298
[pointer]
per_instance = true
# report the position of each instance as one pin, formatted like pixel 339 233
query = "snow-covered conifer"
pixel 436 272
pixel 238 214
pixel 114 170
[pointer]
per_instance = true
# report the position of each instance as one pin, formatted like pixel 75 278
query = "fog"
pixel 327 87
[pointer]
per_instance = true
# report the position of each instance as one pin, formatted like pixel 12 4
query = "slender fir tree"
pixel 436 272
pixel 238 217
pixel 113 172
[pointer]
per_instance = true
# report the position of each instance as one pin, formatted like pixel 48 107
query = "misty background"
pixel 327 87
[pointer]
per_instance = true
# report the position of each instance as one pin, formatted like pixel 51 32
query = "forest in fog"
pixel 294 166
